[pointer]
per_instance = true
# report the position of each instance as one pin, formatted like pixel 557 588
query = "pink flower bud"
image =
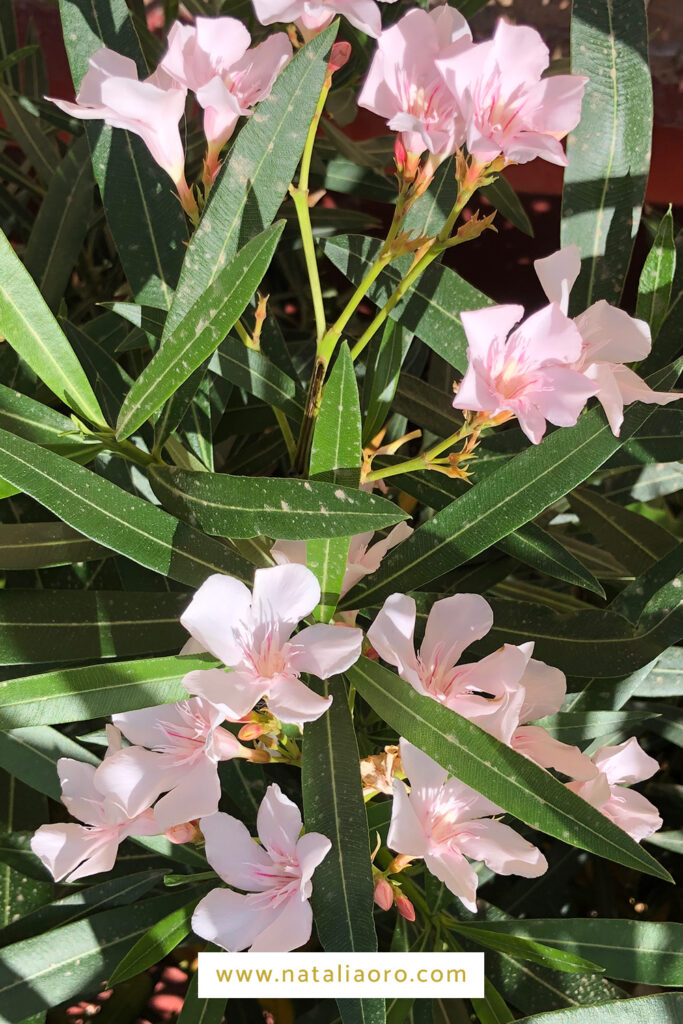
pixel 384 894
pixel 250 731
pixel 339 56
pixel 185 833
pixel 405 907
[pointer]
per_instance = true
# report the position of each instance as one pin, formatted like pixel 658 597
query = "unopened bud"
pixel 185 833
pixel 339 56
pixel 399 863
pixel 400 155
pixel 405 907
pixel 257 756
pixel 250 731
pixel 384 894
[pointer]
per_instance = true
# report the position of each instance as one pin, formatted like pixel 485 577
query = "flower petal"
pixel 626 763
pixel 538 745
pixel 288 928
pixel 278 823
pixel 325 650
pixel 457 875
pixel 293 702
pixel 219 605
pixel 230 919
pixel 545 688
pixel 234 855
pixel 557 274
pixel 284 593
pixel 63 847
pixel 452 625
pixel 235 693
pixel 406 831
pixel 195 795
pixel 501 848
pixel 391 634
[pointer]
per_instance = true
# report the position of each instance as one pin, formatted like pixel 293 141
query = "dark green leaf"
pixel 39 545
pixel 656 279
pixel 161 939
pixel 659 1009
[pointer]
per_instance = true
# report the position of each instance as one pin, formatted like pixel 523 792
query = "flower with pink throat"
pixel 618 768
pixel 71 851
pixel 405 87
pixel 529 372
pixel 252 635
pixel 610 339
pixel 312 16
pixel 508 108
pixel 444 822
pixel 500 693
pixel 273 913
pixel 186 741
pixel 111 92
pixel 213 60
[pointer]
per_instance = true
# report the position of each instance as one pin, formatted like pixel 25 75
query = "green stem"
pixel 287 434
pixel 422 460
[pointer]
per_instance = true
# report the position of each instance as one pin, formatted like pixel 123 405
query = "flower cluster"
pixel 441 91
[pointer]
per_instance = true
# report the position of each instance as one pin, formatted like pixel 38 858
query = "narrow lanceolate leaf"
pixel 431 308
pixel 25 130
pixel 74 625
pixel 32 754
pixel 123 522
pixel 254 179
pixel 643 600
pixel 32 331
pixel 144 215
pixel 526 948
pixel 36 422
pixel 664 1008
pixel 61 224
pixel 333 804
pixel 645 952
pixel 42 972
pixel 499 773
pixel 382 377
pixel 40 545
pixel 78 694
pixel 242 506
pixel 161 939
pixel 201 1011
pixel 504 501
pixel 246 368
pixel 634 540
pixel 20 810
pixel 656 279
pixel 200 331
pixel 577 727
pixel 609 150
pixel 335 456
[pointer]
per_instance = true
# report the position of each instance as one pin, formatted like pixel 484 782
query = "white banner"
pixel 341 975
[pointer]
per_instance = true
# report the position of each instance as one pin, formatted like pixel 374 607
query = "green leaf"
pixel 431 308
pixel 150 319
pixel 656 279
pixel 504 501
pixel 44 971
pixel 109 380
pixel 199 333
pixel 336 457
pixel 525 947
pixel 32 754
pixel 78 694
pixel 382 371
pixel 333 804
pixel 161 939
pixel 40 545
pixel 672 841
pixel 497 772
pixel 123 522
pixel 73 625
pixel 641 598
pixel 425 405
pixel 577 727
pixel 255 373
pixel 255 176
pixel 665 679
pixel 201 1011
pixel 633 539
pixel 75 905
pixel 59 229
pixel 28 135
pixel 609 150
pixel 32 331
pixel 660 1009
pixel 242 506
pixel 645 952
pixel 20 809
pixel 145 218
pixel 501 194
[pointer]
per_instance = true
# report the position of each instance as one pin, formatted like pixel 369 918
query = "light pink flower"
pixel 619 767
pixel 312 16
pixel 528 372
pixel 507 107
pixel 276 915
pixel 213 60
pixel 111 92
pixel 610 338
pixel 253 637
pixel 187 742
pixel 443 821
pixel 362 560
pixel 71 851
pixel 499 693
pixel 405 87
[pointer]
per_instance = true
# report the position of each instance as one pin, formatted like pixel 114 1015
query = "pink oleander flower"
pixel 252 635
pixel 500 693
pixel 213 60
pixel 71 851
pixel 275 916
pixel 506 105
pixel 610 338
pixel 529 372
pixel 405 87
pixel 312 16
pixel 618 768
pixel 186 743
pixel 111 92
pixel 444 822
pixel 362 560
